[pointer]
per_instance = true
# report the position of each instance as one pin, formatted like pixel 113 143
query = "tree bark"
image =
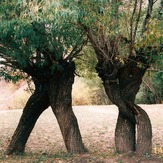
pixel 121 78
pixel 125 128
pixel 36 104
pixel 121 86
pixel 144 133
pixel 61 103
pixel 130 81
pixel 124 135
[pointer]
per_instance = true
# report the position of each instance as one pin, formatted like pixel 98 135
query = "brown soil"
pixel 97 124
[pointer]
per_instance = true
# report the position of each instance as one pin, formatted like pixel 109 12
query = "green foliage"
pixel 86 63
pixel 151 91
pixel 37 34
pixel 123 27
pixel 10 76
pixel 158 85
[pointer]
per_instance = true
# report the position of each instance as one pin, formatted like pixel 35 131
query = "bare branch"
pixel 152 90
pixel 131 27
pixel 160 10
pixel 127 24
pixel 96 46
pixel 137 20
pixel 155 1
pixel 148 15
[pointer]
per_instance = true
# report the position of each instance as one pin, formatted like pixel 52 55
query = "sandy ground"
pixel 97 124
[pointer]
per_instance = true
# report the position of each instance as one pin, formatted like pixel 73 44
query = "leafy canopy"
pixel 123 27
pixel 36 34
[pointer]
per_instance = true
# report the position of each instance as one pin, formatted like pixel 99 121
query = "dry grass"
pixel 88 92
pixel 15 96
pixel 97 124
pixel 81 93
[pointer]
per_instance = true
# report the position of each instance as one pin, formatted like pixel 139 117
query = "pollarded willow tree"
pixel 38 40
pixel 126 37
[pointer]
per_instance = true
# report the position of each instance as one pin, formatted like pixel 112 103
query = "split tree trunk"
pixel 125 128
pixel 57 93
pixel 144 133
pixel 124 135
pixel 61 103
pixel 130 78
pixel 121 86
pixel 121 78
pixel 36 104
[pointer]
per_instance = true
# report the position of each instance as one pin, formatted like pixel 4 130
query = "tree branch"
pixel 148 16
pixel 131 27
pixel 160 10
pixel 137 20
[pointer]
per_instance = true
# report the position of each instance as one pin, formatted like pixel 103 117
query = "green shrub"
pixel 151 91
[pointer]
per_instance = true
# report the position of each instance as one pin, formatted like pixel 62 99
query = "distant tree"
pixel 152 88
pixel 127 39
pixel 38 40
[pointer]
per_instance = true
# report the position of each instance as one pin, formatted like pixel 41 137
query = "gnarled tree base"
pixel 36 104
pixel 124 135
pixel 144 133
pixel 60 100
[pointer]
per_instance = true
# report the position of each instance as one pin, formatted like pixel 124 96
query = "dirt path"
pixel 97 124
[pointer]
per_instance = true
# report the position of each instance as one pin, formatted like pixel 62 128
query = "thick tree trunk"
pixel 124 135
pixel 122 77
pixel 36 104
pixel 60 100
pixel 125 128
pixel 121 86
pixel 144 133
pixel 130 80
